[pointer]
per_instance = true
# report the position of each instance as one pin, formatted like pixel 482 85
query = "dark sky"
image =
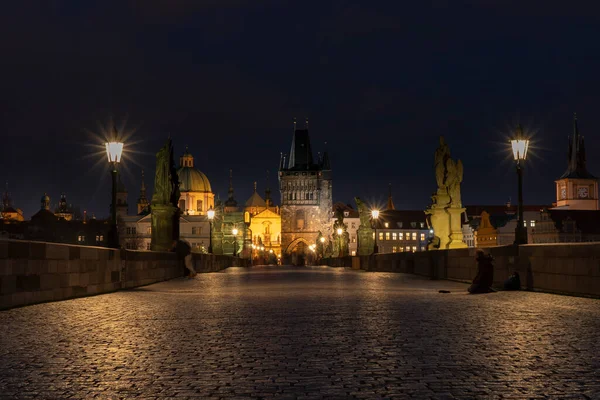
pixel 379 81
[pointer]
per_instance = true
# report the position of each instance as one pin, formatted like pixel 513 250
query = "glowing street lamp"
pixel 114 150
pixel 374 218
pixel 234 231
pixel 211 215
pixel 520 146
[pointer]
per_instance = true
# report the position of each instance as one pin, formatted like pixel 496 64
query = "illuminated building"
pixel 577 189
pixel 264 221
pixel 7 212
pixel 196 194
pixel 306 198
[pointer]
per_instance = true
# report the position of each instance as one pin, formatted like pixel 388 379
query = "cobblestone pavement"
pixel 303 333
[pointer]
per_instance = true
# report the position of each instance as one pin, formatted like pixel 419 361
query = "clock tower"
pixel 577 189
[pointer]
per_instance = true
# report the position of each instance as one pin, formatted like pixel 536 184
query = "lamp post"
pixel 519 147
pixel 211 215
pixel 322 247
pixel 235 232
pixel 374 217
pixel 114 149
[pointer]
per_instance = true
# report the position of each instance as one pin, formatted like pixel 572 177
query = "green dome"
pixel 192 180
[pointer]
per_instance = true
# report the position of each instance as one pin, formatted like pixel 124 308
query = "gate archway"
pixel 296 252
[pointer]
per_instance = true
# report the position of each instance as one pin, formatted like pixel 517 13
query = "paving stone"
pixel 303 333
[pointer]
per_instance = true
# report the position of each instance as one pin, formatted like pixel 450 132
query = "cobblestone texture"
pixel 303 334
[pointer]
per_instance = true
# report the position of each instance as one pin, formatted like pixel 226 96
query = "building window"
pixel 422 224
pixel 149 230
pixel 353 252
pixel 196 230
pixel 422 237
pixel 99 238
pixel 299 219
pixel 148 246
pixel 401 236
pixel 532 223
pixel 401 249
pixel 407 248
pixel 394 236
pixel 387 225
pixel 131 230
pixel 353 239
pixel 394 249
pixel 80 239
pixel 414 236
pixel 380 235
pixel 199 205
pixel 414 248
pixel 387 236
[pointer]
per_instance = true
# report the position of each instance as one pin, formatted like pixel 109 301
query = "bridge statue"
pixel 366 242
pixel 165 213
pixel 444 213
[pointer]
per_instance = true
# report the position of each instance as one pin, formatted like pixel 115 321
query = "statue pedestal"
pixel 366 244
pixel 456 235
pixel 440 223
pixel 165 227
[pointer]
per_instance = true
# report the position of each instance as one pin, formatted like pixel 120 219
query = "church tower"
pixel 142 203
pixel 577 189
pixel 306 198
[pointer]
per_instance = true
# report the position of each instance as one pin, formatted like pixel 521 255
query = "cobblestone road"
pixel 306 334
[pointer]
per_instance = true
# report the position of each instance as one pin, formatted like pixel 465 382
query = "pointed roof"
pixel 325 163
pixel 255 200
pixel 577 161
pixel 301 152
pixel 390 202
pixel 230 200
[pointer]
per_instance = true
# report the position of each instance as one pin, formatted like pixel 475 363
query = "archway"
pixel 296 252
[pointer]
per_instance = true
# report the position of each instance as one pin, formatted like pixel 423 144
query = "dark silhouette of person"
pixel 482 283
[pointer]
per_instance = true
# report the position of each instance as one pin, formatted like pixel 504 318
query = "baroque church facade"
pixel 306 197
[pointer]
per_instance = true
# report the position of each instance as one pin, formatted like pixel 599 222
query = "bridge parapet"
pixel 36 272
pixel 569 268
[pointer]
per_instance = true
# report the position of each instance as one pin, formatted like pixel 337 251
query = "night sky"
pixel 379 82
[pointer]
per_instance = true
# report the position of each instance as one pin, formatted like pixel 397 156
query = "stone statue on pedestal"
pixel 366 243
pixel 165 213
pixel 341 242
pixel 444 213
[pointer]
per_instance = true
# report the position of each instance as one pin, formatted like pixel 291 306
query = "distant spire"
pixel 390 203
pixel 142 202
pixel 577 167
pixel 268 192
pixel 254 186
pixel 143 187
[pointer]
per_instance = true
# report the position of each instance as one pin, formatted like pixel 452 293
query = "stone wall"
pixel 572 268
pixel 35 272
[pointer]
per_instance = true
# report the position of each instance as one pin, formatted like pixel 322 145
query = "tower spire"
pixel 390 202
pixel 268 192
pixel 230 192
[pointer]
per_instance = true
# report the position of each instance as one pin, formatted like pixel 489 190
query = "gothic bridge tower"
pixel 306 198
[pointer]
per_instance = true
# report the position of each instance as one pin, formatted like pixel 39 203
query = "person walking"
pixel 184 253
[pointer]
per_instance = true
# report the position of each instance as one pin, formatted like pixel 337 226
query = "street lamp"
pixel 211 215
pixel 235 232
pixel 519 147
pixel 339 233
pixel 114 149
pixel 374 217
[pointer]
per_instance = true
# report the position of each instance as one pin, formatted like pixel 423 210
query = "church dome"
pixel 190 178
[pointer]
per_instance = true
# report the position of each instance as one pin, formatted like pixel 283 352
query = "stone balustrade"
pixel 572 268
pixel 35 272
